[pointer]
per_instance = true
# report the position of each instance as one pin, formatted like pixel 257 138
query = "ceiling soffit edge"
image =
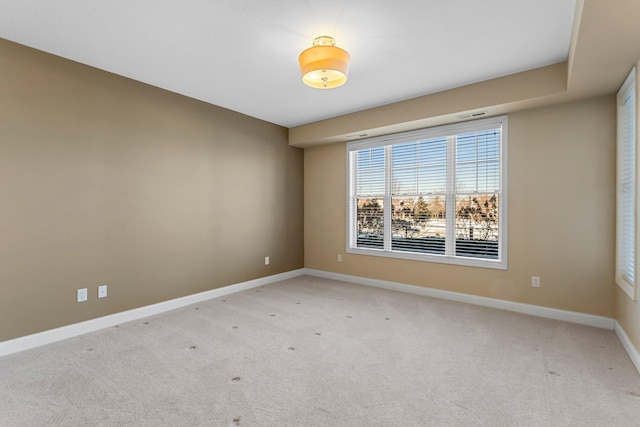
pixel 489 97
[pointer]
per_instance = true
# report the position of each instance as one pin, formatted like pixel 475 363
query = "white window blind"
pixel 626 186
pixel 435 195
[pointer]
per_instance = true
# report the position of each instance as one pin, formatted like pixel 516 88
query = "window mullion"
pixel 502 207
pixel 388 188
pixel 450 199
pixel 353 201
pixel 477 161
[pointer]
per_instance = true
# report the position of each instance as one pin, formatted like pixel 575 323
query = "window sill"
pixel 440 259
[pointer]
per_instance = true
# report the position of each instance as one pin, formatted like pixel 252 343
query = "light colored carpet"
pixel 316 352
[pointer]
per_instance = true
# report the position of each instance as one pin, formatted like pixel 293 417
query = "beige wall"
pixel 561 215
pixel 104 180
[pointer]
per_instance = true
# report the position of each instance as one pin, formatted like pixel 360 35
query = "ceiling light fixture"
pixel 324 66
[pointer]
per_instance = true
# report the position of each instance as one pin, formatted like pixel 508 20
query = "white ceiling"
pixel 242 54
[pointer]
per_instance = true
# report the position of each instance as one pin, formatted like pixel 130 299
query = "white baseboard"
pixel 628 346
pixel 533 310
pixel 70 331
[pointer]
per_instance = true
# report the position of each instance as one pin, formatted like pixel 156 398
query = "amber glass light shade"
pixel 324 66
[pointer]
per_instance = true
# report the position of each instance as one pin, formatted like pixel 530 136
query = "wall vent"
pixel 362 135
pixel 472 115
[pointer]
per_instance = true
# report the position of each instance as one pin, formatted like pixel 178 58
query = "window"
pixel 626 187
pixel 435 195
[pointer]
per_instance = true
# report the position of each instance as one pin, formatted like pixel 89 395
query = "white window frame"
pixel 627 210
pixel 434 132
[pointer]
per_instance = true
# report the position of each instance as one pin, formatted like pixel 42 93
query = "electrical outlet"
pixel 339 257
pixel 266 260
pixel 81 295
pixel 102 291
pixel 535 281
